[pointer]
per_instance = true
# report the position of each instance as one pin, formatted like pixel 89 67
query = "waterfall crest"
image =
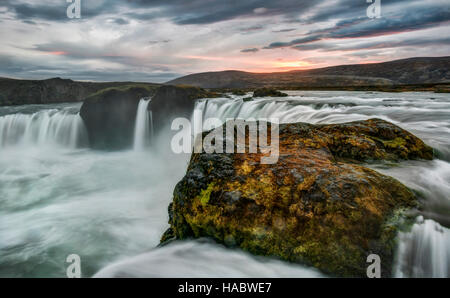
pixel 285 111
pixel 44 128
pixel 423 252
pixel 143 128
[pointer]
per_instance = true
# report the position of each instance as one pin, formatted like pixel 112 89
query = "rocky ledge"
pixel 110 114
pixel 316 206
pixel 175 101
pixel 268 92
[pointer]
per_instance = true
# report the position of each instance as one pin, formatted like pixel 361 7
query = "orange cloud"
pixel 57 53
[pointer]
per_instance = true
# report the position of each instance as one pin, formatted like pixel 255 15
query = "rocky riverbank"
pixel 317 206
pixel 55 90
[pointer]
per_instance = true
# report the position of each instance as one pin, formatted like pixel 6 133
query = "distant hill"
pixel 18 92
pixel 394 73
pixel 399 72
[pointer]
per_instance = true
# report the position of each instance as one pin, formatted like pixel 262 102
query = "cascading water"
pixel 45 128
pixel 143 128
pixel 423 252
pixel 111 207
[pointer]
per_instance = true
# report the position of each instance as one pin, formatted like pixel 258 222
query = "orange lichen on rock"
pixel 313 206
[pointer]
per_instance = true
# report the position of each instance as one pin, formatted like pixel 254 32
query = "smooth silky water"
pixel 58 197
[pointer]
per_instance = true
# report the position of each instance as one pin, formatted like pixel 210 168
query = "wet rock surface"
pixel 315 206
pixel 55 90
pixel 171 102
pixel 110 116
pixel 268 92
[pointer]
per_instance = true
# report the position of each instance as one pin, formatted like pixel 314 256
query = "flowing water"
pixel 49 127
pixel 58 197
pixel 142 126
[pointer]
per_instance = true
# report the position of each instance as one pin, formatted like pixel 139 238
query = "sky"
pixel 159 40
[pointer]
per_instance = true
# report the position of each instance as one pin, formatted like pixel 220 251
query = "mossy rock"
pixel 239 92
pixel 312 207
pixel 374 139
pixel 109 116
pixel 268 92
pixel 103 94
pixel 172 102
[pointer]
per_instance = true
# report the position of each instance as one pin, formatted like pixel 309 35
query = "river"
pixel 58 197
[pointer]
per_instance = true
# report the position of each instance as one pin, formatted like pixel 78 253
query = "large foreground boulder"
pixel 315 206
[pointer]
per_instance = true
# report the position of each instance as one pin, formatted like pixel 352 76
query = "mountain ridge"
pixel 54 90
pixel 417 70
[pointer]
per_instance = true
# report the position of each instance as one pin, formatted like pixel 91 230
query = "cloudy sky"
pixel 158 40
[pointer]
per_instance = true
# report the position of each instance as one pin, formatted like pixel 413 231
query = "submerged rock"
pixel 268 92
pixel 314 206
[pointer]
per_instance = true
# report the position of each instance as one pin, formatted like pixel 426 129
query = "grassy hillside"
pixel 18 92
pixel 411 71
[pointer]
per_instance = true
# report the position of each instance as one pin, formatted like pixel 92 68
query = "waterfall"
pixel 286 111
pixel 152 131
pixel 143 127
pixel 44 128
pixel 423 252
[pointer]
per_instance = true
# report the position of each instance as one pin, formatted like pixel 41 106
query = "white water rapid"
pixel 143 126
pixel 58 197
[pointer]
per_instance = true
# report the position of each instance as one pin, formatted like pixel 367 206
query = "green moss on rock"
pixel 268 92
pixel 314 206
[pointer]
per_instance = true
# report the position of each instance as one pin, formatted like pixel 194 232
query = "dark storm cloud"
pixel 409 18
pixel 121 21
pixel 251 29
pixel 328 47
pixel 252 50
pixel 185 12
pixel 153 42
pixel 284 30
pixel 211 11
pixel 179 11
pixel 43 12
pixel 345 9
pixel 304 40
pixel 408 21
pixel 127 38
pixel 40 10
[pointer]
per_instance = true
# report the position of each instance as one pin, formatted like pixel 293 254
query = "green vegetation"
pixel 268 92
pixel 317 206
pixel 149 88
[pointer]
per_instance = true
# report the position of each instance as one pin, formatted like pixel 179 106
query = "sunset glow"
pixel 154 42
pixel 57 53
